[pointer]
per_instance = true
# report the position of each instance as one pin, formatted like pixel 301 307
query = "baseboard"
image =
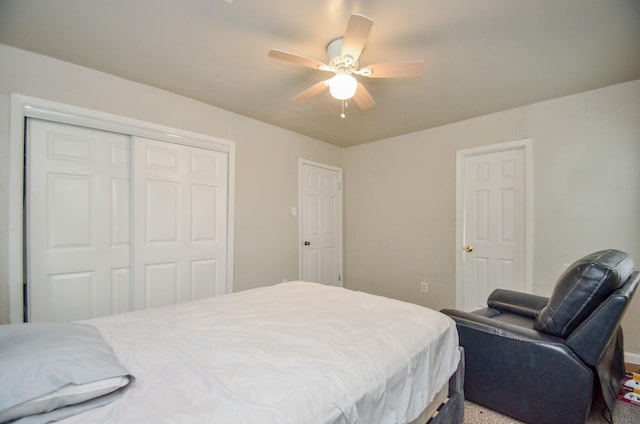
pixel 632 358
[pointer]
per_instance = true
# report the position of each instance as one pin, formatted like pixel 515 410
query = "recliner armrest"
pixel 524 304
pixel 506 359
pixel 499 328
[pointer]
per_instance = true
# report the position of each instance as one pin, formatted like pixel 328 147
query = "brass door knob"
pixel 468 248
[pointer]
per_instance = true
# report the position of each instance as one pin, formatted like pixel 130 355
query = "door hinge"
pixel 339 278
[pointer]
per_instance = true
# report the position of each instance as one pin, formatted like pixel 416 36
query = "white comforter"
pixel 290 353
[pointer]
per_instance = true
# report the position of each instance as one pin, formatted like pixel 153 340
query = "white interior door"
pixel 81 234
pixel 321 223
pixel 77 215
pixel 494 225
pixel 180 222
pixel 71 219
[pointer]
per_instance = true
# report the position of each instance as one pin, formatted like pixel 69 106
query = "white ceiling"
pixel 481 56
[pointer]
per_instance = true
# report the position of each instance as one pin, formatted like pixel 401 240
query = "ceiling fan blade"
pixel 356 35
pixel 363 98
pixel 298 60
pixel 394 70
pixel 311 91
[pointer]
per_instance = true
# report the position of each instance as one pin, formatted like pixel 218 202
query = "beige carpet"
pixel 624 413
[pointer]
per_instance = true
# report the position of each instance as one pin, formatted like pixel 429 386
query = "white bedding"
pixel 290 353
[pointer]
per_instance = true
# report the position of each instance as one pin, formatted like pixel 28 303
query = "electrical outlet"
pixel 424 287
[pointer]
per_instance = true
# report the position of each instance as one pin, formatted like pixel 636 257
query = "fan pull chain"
pixel 344 105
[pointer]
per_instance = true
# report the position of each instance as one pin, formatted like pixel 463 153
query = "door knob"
pixel 307 243
pixel 468 248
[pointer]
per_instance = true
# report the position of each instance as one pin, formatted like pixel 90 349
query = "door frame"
pixel 301 163
pixel 527 145
pixel 23 107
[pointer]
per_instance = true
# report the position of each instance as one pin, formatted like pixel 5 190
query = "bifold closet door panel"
pixel 179 223
pixel 115 223
pixel 77 222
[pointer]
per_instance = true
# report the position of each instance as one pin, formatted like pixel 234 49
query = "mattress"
pixel 294 352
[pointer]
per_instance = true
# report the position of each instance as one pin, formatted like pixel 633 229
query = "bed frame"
pixel 196 376
pixel 448 406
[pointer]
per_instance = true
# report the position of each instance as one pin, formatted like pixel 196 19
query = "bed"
pixel 294 352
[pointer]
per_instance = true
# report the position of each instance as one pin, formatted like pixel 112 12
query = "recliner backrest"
pixel 581 289
pixel 589 340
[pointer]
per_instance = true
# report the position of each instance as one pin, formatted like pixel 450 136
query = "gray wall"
pixel 400 195
pixel 266 248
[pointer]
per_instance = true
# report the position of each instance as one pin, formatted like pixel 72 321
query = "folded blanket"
pixel 52 371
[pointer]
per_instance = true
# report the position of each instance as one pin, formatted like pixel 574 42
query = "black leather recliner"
pixel 543 360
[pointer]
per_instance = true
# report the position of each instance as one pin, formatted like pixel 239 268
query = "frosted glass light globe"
pixel 343 86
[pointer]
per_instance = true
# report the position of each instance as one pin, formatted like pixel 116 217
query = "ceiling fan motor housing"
pixel 337 62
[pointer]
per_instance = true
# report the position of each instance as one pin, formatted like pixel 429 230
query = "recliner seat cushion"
pixel 581 288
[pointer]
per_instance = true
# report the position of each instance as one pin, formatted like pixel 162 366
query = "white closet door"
pixel 179 221
pixel 78 222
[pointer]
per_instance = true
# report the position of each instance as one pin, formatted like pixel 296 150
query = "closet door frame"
pixel 23 107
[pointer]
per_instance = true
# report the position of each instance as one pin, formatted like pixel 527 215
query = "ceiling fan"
pixel 343 54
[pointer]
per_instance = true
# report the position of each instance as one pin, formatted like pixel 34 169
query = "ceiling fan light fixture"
pixel 343 86
pixel 343 54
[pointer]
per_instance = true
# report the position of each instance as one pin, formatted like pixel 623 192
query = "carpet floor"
pixel 624 413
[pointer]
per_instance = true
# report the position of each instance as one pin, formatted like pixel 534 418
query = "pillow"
pixel 52 371
pixel 581 289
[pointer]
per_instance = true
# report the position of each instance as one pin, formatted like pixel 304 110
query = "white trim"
pixel 31 107
pixel 527 145
pixel 58 112
pixel 302 162
pixel 231 199
pixel 16 224
pixel 632 358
